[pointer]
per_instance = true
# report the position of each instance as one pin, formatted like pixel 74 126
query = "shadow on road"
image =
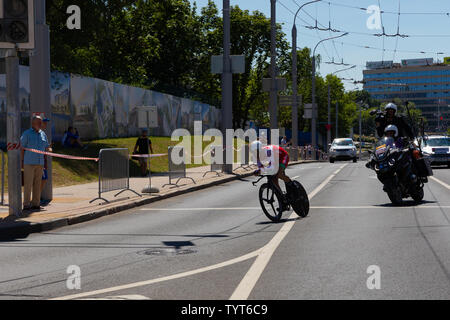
pixel 406 203
pixel 282 220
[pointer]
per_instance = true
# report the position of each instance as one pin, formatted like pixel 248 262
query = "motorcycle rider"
pixel 404 130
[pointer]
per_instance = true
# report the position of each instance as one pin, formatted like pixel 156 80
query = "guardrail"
pixel 113 172
pixel 176 170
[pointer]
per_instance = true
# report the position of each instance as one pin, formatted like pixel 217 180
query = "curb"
pixel 22 229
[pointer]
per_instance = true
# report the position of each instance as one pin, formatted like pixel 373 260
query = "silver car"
pixel 436 149
pixel 342 149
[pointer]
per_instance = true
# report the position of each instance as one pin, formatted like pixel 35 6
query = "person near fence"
pixel 45 122
pixel 143 143
pixel 33 163
pixel 72 139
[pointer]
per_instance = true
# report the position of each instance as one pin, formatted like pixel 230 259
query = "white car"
pixel 342 149
pixel 436 148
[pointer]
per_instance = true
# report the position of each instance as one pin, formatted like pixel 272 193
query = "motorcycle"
pixel 403 171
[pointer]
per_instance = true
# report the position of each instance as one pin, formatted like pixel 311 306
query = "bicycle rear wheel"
pixel 301 202
pixel 271 202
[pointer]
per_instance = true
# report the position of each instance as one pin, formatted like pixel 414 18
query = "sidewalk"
pixel 70 205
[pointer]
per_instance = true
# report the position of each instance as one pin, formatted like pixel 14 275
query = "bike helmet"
pixel 391 105
pixel 392 127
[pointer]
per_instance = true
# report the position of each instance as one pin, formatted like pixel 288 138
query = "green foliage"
pixel 167 46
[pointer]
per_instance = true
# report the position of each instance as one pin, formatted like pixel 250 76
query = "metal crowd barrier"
pixel 244 158
pixel 113 172
pixel 215 167
pixel 176 170
pixel 3 178
pixel 293 153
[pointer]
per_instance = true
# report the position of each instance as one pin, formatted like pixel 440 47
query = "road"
pixel 217 244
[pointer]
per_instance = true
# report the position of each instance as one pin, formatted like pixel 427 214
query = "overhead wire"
pixel 398 30
pixel 390 12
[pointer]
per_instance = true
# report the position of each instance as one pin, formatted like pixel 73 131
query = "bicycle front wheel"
pixel 271 202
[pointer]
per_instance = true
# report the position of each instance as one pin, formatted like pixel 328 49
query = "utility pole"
pixel 360 131
pixel 294 88
pixel 329 118
pixel 227 92
pixel 273 68
pixel 40 82
pixel 313 91
pixel 337 118
pixel 294 79
pixel 13 133
pixel 329 106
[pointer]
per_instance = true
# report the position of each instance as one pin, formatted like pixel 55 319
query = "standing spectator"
pixel 285 142
pixel 141 147
pixel 45 121
pixel 33 163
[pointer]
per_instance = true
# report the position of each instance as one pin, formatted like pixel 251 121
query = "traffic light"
pixel 17 24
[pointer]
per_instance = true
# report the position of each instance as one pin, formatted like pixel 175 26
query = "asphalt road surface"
pixel 217 244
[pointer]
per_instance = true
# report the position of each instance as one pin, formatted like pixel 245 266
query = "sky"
pixel 425 22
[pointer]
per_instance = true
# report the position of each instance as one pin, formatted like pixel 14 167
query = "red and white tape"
pixel 148 155
pixel 64 156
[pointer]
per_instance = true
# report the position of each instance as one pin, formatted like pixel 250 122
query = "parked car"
pixel 342 149
pixel 436 149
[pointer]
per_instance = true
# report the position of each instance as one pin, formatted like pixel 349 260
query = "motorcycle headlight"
pixel 391 162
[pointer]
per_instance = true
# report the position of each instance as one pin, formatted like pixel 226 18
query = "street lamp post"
pixel 227 85
pixel 329 107
pixel 313 119
pixel 294 79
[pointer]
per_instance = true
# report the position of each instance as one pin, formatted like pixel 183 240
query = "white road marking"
pixel 441 182
pixel 126 297
pixel 249 281
pixel 380 207
pixel 171 277
pixel 266 252
pixel 199 209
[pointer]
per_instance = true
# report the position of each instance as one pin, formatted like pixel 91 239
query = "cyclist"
pixel 269 154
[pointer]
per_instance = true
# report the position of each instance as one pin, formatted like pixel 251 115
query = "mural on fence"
pixel 59 99
pixel 100 109
pixel 24 101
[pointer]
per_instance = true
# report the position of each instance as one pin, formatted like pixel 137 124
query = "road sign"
pixel 147 117
pixel 284 101
pixel 237 64
pixel 280 84
pixel 308 111
pixel 17 24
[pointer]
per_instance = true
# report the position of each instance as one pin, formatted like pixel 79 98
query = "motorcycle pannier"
pixel 423 167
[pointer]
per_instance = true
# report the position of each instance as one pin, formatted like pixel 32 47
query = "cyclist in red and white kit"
pixel 270 154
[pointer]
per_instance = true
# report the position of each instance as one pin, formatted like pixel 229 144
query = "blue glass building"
pixel 421 81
